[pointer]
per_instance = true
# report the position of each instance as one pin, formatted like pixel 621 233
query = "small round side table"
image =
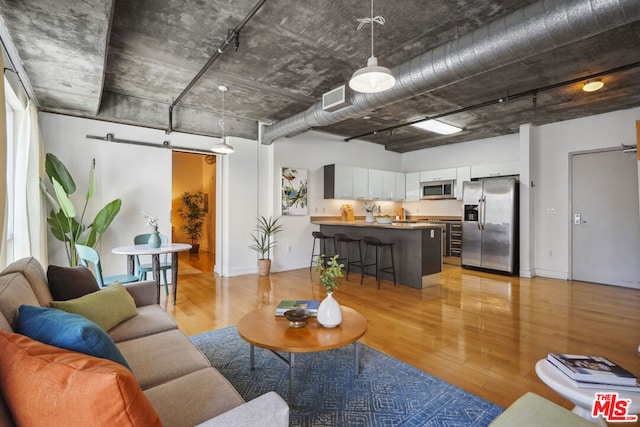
pixel 582 397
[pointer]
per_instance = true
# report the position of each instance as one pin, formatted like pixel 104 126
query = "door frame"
pixel 570 212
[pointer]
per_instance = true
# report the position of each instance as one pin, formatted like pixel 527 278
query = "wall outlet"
pixel 551 210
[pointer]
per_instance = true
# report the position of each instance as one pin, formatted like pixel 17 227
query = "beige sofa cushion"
pixel 531 410
pixel 15 290
pixel 150 320
pixel 33 271
pixel 215 396
pixel 161 357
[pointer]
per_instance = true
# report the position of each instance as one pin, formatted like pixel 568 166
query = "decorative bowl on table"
pixel 384 219
pixel 297 318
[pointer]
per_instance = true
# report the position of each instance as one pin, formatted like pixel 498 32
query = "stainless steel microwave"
pixel 434 190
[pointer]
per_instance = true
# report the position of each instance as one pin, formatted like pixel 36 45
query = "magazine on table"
pixel 310 305
pixel 607 387
pixel 592 369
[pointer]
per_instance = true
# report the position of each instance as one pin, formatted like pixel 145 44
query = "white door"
pixel 605 221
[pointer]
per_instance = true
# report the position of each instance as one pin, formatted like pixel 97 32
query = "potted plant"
pixel 193 214
pixel 62 219
pixel 329 311
pixel 263 242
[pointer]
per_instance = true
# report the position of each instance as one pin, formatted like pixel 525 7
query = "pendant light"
pixel 372 78
pixel 223 147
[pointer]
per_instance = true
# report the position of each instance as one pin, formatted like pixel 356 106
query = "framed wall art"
pixel 294 191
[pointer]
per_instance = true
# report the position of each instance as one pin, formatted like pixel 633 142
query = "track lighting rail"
pixel 232 35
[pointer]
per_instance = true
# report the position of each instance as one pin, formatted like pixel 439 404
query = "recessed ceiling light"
pixel 593 85
pixel 437 127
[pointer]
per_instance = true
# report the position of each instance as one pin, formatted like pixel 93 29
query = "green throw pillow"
pixel 107 307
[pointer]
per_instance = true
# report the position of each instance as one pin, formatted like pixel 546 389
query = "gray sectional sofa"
pixel 177 379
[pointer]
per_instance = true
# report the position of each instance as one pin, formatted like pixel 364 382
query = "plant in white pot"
pixel 263 242
pixel 329 311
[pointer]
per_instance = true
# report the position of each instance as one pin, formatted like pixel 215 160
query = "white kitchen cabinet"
pixel 412 186
pixel 462 174
pixel 338 182
pixel 360 183
pixel 438 175
pixel 389 188
pixel 400 189
pixel 495 169
pixel 375 184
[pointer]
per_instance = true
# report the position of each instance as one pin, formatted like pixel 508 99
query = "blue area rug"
pixel 387 392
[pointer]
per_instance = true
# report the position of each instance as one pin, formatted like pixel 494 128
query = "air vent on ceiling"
pixel 335 99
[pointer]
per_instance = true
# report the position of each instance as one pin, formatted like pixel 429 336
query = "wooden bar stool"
pixel 379 246
pixel 341 240
pixel 318 235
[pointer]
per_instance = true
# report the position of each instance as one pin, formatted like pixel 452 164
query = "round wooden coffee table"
pixel 262 328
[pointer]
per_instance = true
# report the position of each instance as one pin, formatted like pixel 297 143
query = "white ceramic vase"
pixel 329 312
pixel 369 217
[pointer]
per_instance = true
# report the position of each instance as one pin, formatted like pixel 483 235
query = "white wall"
pixel 483 151
pixel 237 208
pixel 311 151
pixel 551 167
pixel 140 176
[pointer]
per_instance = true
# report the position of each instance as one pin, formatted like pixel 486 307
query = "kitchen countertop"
pixel 410 225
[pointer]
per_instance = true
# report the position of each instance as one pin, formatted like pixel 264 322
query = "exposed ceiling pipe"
pixel 232 34
pixel 531 92
pixel 532 30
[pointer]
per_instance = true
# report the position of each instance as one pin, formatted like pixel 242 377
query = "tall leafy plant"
pixel 63 221
pixel 193 214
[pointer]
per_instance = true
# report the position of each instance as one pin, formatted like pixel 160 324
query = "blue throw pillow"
pixel 67 330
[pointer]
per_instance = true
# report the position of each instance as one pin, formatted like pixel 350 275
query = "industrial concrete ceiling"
pixel 128 61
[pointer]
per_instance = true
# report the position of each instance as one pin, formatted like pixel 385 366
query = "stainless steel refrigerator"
pixel 490 225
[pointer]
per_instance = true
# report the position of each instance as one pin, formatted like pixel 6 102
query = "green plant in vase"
pixel 330 271
pixel 329 311
pixel 263 242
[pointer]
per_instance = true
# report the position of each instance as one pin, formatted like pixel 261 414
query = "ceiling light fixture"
pixel 372 78
pixel 593 85
pixel 223 147
pixel 437 127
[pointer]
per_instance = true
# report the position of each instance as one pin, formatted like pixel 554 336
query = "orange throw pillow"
pixel 45 385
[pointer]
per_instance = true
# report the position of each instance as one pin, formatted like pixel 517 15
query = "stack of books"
pixel 594 372
pixel 310 305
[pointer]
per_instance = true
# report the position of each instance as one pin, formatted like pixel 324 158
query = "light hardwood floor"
pixel 481 332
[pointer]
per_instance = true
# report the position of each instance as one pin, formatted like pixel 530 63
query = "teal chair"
pixel 144 268
pixel 89 255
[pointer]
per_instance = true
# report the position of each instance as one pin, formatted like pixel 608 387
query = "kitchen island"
pixel 417 247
